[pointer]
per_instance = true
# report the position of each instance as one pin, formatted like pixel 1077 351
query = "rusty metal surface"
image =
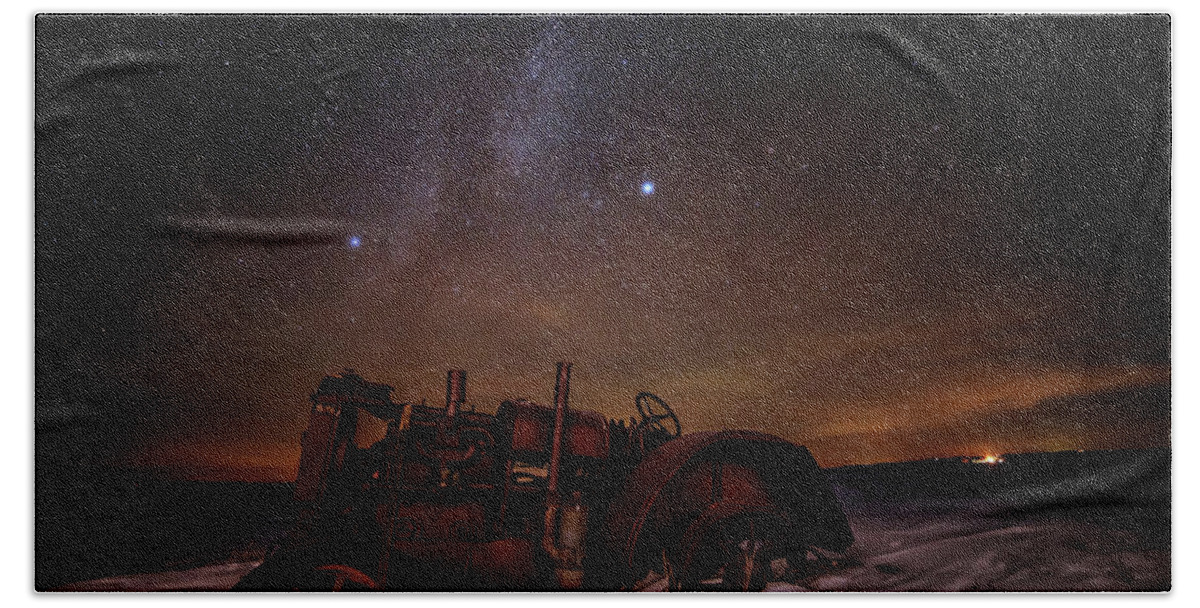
pixel 666 487
pixel 587 434
pixel 451 498
pixel 532 428
pixel 456 391
pixel 314 453
pixel 415 522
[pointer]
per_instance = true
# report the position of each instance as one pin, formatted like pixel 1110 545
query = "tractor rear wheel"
pixel 729 548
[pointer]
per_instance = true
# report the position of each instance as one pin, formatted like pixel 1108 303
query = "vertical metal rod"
pixel 562 387
pixel 508 473
pixel 456 390
pixel 550 522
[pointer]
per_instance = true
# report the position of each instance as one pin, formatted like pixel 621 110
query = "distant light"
pixel 989 459
pixel 354 242
pixel 647 188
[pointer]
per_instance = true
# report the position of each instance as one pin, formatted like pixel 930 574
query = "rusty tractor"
pixel 539 498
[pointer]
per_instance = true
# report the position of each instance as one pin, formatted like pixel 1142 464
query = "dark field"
pixel 1091 521
pixel 1063 521
pixel 129 521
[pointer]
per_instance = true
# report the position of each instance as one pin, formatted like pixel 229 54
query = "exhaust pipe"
pixel 568 558
pixel 562 386
pixel 456 391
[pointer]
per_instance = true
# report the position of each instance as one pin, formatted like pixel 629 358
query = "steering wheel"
pixel 654 411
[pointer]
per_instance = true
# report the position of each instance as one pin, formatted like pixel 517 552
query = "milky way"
pixel 884 237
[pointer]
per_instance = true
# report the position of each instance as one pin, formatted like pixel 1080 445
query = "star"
pixel 354 241
pixel 647 188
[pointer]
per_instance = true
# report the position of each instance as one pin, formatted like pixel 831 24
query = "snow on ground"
pixel 963 552
pixel 933 552
pixel 970 551
pixel 219 577
pixel 1103 527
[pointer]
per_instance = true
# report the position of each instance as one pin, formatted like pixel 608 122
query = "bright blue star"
pixel 647 188
pixel 354 241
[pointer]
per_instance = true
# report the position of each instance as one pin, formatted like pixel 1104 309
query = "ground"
pixel 1090 522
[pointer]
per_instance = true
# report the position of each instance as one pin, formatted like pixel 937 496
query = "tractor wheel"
pixel 339 577
pixel 729 548
pixel 298 573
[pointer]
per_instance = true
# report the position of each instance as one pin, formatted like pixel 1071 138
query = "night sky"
pixel 886 238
